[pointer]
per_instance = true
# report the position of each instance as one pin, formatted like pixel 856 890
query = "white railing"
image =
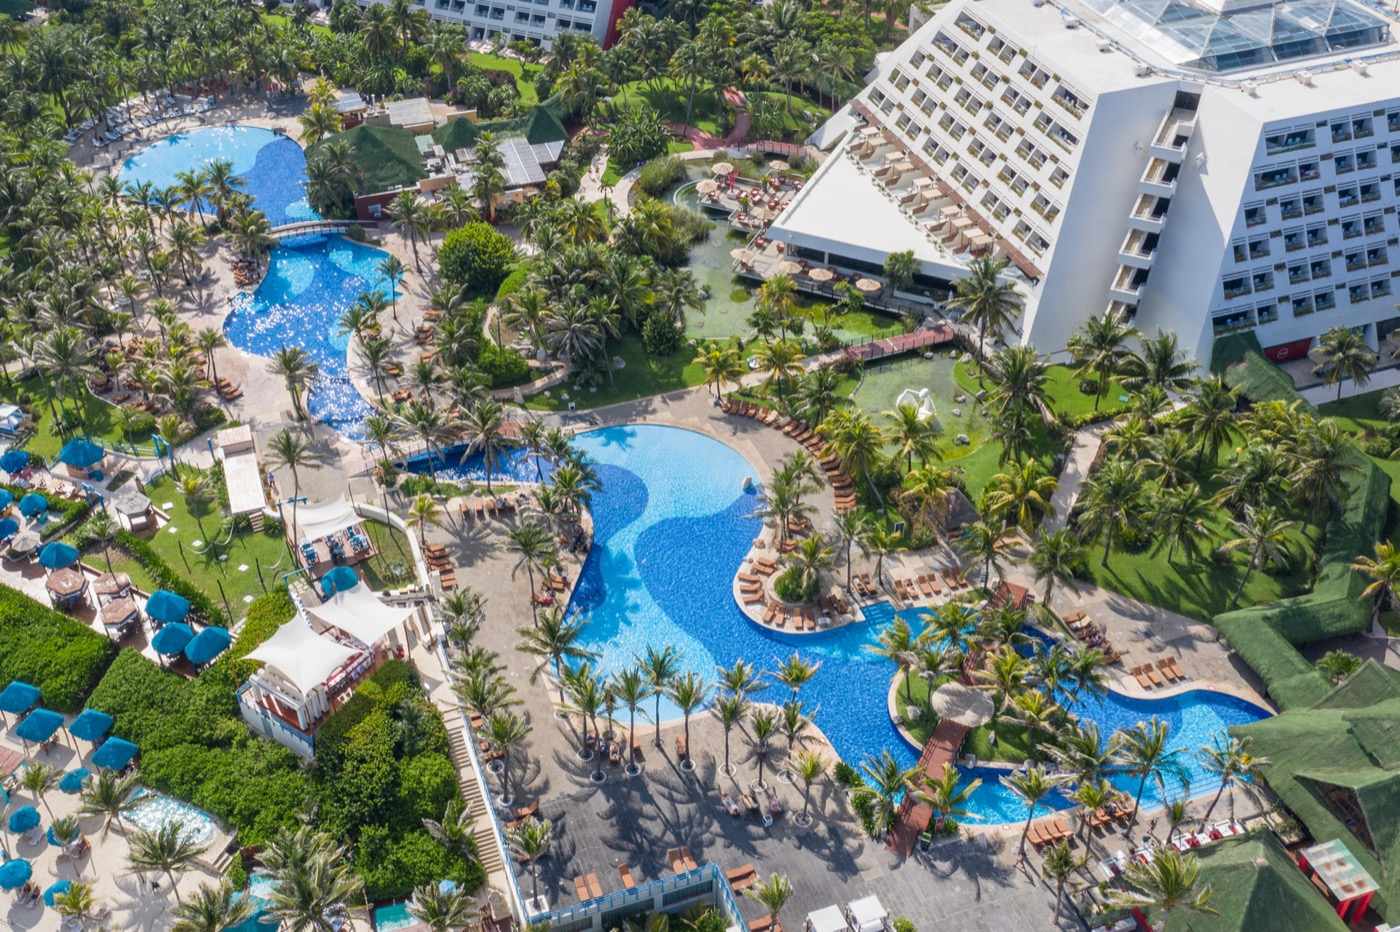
pixel 663 893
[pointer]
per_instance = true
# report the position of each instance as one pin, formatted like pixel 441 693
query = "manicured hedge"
pixel 201 606
pixel 63 657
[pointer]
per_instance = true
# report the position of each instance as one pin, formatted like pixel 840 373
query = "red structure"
pixel 903 343
pixel 940 751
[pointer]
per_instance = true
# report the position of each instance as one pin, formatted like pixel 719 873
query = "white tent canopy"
pixel 868 914
pixel 827 919
pixel 361 614
pixel 317 521
pixel 301 656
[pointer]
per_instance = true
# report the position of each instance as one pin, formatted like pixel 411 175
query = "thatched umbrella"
pixel 956 702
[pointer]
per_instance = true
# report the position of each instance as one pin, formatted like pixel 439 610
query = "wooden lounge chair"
pixel 763 924
pixel 581 889
pixel 754 598
pixel 1165 668
pixel 1141 677
pixel 624 872
pixel 770 613
pixel 1176 668
pixel 1153 675
pixel 741 878
pixel 682 750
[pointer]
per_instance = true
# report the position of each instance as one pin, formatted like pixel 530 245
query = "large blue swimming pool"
pixel 672 523
pixel 311 281
pixel 270 167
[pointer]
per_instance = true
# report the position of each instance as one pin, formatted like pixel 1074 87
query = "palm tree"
pixel 1264 533
pixel 773 893
pixel 810 768
pixel 947 795
pixel 1337 665
pixel 1166 883
pixel 1158 364
pixel 688 691
pixel 857 442
pixel 488 176
pixel 1180 518
pixel 208 340
pixel 108 794
pixel 79 901
pixel 721 363
pixel 850 528
pixel 808 562
pixel 898 644
pixel 165 849
pixel 782 360
pixel 1058 865
pixel 763 726
pixel 453 832
pixel 483 426
pixel 630 687
pixel 213 908
pixel 38 778
pixel 1209 416
pixel 660 667
pixel 1111 502
pixel 423 512
pixel 1341 354
pixel 731 710
pixel 314 893
pixel 506 733
pixel 986 301
pixel 442 910
pixel 884 781
pixel 297 371
pixel 529 841
pixel 1057 558
pixel 987 543
pixel 1098 349
pixel 533 544
pixel 409 217
pixel 912 434
pixel 1232 762
pixel 292 451
pixel 1021 497
pixel 1031 786
pixel 1143 750
pixel 552 640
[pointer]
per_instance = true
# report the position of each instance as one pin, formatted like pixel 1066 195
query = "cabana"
pixel 293 690
pixel 171 639
pixel 133 509
pixel 242 475
pixel 827 919
pixel 80 455
pixel 39 726
pixel 206 645
pixel 361 615
pixel 19 697
pixel 90 725
pixel 66 587
pixel 166 607
pixel 867 914
pixel 114 754
pixel 331 534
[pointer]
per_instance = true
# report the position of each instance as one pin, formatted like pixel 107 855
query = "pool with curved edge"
pixel 672 524
pixel 311 281
pixel 270 167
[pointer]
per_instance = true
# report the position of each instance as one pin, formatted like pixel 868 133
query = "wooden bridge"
pixel 937 335
pixel 304 227
pixel 940 751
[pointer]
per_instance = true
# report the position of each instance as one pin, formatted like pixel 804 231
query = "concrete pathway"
pixel 1083 450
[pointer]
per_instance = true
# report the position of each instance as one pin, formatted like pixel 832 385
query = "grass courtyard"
pixel 710 114
pixel 641 375
pixel 1012 742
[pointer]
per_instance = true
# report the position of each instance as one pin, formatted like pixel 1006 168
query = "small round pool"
pixel 153 810
pixel 270 167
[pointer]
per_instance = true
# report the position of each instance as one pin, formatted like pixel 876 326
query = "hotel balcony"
pixel 1149 214
pixel 1173 135
pixel 1159 179
pixel 1127 285
pixel 1138 249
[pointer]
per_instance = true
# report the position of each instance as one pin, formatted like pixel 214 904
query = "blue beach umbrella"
pixel 114 754
pixel 19 697
pixel 167 607
pixel 72 781
pixel 339 579
pixel 55 555
pixel 56 888
pixel 14 874
pixel 33 504
pixel 172 638
pixel 39 725
pixel 13 461
pixel 7 498
pixel 80 452
pixel 9 527
pixel 90 725
pixel 206 645
pixel 23 819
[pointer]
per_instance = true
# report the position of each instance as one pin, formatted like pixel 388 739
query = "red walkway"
pixel 939 752
pixel 904 343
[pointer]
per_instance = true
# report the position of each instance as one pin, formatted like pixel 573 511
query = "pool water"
pixel 311 281
pixel 270 167
pixel 512 465
pixel 393 916
pixel 260 891
pixel 154 810
pixel 672 524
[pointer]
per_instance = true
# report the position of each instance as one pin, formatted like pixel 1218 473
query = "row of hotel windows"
pixel 1343 163
pixel 1301 304
pixel 1314 202
pixel 1314 235
pixel 1342 130
pixel 1310 269
pixel 1006 53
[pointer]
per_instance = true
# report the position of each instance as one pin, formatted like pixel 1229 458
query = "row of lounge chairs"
pixel 1167 672
pixel 1094 636
pixel 930 585
pixel 842 487
pixel 749 802
pixel 481 509
pixel 438 561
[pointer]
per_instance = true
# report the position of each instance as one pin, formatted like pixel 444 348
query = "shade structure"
pixel 821 274
pixel 9 527
pixel 33 504
pixel 90 725
pixel 867 285
pixel 172 638
pixel 39 725
pixel 7 498
pixel 787 267
pixel 65 583
pixel 962 704
pixel 80 452
pixel 72 781
pixel 55 889
pixel 827 919
pixel 13 461
pixel 723 168
pixel 868 914
pixel 19 697
pixel 55 555
pixel 15 874
pixel 22 820
pixel 707 186
pixel 206 645
pixel 25 542
pixel 114 754
pixel 339 579
pixel 131 502
pixel 167 607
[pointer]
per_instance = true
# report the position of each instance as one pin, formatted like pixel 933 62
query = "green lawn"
pixel 392 566
pixel 1361 414
pixel 1062 385
pixel 710 114
pixel 285 22
pixel 1012 741
pixel 524 72
pixel 643 375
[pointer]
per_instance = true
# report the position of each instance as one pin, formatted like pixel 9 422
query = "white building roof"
pixel 301 656
pixel 868 913
pixel 244 483
pixel 317 521
pixel 827 919
pixel 415 111
pixel 361 614
pixel 523 163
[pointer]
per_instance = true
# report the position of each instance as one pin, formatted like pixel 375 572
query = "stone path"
pixel 1083 450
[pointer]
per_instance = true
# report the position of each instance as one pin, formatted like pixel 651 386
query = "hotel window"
pixel 1320 268
pixel 1259 248
pixel 1359 292
pixel 1059 176
pixel 1314 203
pixel 877 96
pixel 1240 251
pixel 1351 227
pixel 903 122
pixel 1317 235
pixel 1310 170
pixel 1324 300
pixel 1001 49
pixel 1266 313
pixel 1341 132
pixel 1361 128
pixel 970 26
pixel 1018 101
pixel 1297 274
pixel 1370 191
pixel 950 47
pixel 1344 162
pixel 1000 127
pixel 1037 243
pixel 1235 287
pixel 1232 320
pixel 900 80
pixel 1380 288
pixel 1376 255
pixel 1291 208
pixel 1045 207
pixel 1392 121
pixel 1288 140
pixel 1262 281
pixel 1255 215
pixel 1366 159
pixel 1302 305
pixel 1069 101
pixel 1033 73
pixel 1348 196
pixel 917 59
pixel 1294 239
pixel 1375 224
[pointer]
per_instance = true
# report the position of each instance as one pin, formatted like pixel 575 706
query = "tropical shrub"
pixel 660 174
pixel 69 512
pixel 637 135
pixel 513 282
pixel 502 365
pixel 660 335
pixel 476 257
pixel 63 657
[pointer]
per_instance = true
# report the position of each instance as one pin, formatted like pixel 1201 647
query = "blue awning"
pixel 9 527
pixel 33 504
pixel 39 725
pixel 72 781
pixel 206 645
pixel 80 452
pixel 55 555
pixel 339 579
pixel 172 638
pixel 14 461
pixel 56 888
pixel 14 874
pixel 166 607
pixel 114 754
pixel 19 697
pixel 90 725
pixel 7 498
pixel 23 819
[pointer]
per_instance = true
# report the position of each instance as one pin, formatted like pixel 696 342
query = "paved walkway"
pixel 1083 450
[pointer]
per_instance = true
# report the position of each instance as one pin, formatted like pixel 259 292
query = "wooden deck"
pixel 940 751
pixel 938 335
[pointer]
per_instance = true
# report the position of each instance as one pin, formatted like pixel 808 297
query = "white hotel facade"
pixel 1206 166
